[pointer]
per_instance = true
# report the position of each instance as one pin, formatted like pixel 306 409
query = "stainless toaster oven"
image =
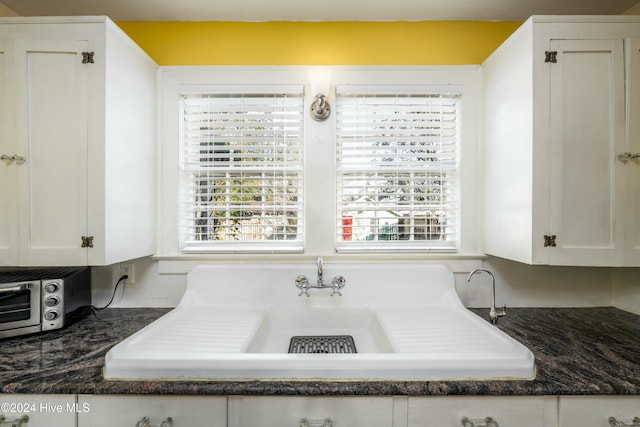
pixel 36 300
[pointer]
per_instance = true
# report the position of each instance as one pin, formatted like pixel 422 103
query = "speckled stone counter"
pixel 578 352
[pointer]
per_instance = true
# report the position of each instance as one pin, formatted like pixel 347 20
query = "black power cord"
pixel 123 277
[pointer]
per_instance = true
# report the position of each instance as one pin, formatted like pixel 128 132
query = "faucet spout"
pixel 338 282
pixel 320 264
pixel 494 314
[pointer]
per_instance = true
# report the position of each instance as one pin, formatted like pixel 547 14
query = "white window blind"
pixel 241 172
pixel 397 163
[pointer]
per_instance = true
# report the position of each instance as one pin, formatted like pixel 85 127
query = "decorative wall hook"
pixel 320 108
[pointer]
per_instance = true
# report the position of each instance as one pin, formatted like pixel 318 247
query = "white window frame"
pixel 320 164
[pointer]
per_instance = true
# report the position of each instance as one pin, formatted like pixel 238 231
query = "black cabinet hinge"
pixel 87 57
pixel 87 241
pixel 551 56
pixel 550 241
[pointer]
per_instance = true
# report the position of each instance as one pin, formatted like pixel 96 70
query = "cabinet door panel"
pixel 587 131
pixel 289 411
pixel 126 411
pixel 42 410
pixel 506 411
pixel 594 411
pixel 53 136
pixel 8 172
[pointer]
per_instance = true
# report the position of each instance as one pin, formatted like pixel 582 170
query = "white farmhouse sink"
pixel 237 321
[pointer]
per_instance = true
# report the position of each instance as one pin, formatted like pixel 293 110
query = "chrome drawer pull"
pixel 487 422
pixel 18 422
pixel 14 158
pixel 625 157
pixel 146 422
pixel 305 422
pixel 613 422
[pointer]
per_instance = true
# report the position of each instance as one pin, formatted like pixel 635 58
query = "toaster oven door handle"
pixel 14 289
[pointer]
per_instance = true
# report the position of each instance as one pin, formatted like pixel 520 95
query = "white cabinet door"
pixel 126 411
pixel 586 135
pixel 290 411
pixel 41 410
pixel 632 147
pixel 595 411
pixel 8 167
pixel 51 105
pixel 506 411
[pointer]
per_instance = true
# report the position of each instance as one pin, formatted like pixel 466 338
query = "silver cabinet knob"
pixel 613 422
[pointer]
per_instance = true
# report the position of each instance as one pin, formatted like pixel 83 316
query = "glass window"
pixel 241 172
pixel 397 170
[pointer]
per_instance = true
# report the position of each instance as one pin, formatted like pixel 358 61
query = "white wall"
pixel 626 289
pixel 517 285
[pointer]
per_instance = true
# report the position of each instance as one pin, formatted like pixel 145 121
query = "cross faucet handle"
pixel 337 284
pixel 303 284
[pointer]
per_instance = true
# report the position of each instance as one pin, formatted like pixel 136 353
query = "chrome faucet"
pixel 494 314
pixel 319 263
pixel 337 283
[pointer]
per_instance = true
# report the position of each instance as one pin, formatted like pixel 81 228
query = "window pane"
pixel 241 179
pixel 397 171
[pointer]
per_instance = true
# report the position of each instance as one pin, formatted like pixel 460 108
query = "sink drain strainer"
pixel 322 344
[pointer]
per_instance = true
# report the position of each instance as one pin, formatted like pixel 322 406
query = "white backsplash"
pixel 517 285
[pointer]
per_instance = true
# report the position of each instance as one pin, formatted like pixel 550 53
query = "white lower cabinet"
pixel 129 411
pixel 317 411
pixel 596 411
pixel 339 411
pixel 505 411
pixel 29 410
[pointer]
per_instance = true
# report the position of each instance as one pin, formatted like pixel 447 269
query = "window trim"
pixel 319 210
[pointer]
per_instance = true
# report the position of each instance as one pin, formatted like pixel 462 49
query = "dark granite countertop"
pixel 579 351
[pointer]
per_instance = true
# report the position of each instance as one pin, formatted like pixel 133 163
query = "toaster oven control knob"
pixel 51 315
pixel 51 288
pixel 52 301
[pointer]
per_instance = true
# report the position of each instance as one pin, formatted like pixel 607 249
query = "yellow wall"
pixel 319 43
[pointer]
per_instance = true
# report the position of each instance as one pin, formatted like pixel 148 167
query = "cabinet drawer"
pixel 506 411
pixel 594 411
pixel 289 411
pixel 43 411
pixel 126 411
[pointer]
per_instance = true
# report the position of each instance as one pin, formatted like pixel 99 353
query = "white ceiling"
pixel 316 10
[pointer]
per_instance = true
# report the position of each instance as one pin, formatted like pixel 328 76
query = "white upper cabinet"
pixel 632 146
pixel 8 175
pixel 78 137
pixel 560 143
